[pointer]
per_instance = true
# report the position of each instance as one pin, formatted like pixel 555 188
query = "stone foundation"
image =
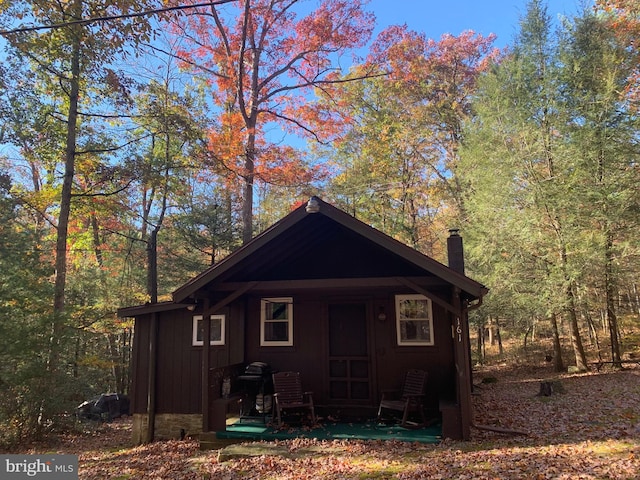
pixel 167 426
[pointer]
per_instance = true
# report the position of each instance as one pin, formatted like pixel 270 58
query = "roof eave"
pixel 256 243
pixel 147 308
pixel 427 263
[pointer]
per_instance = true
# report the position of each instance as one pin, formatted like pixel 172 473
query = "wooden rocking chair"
pixel 411 398
pixel 288 395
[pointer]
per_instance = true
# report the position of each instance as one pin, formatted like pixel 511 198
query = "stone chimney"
pixel 455 251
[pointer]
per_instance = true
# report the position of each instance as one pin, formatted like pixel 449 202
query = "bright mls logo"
pixel 51 467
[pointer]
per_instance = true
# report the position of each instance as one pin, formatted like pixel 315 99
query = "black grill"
pixel 258 384
pixel 258 368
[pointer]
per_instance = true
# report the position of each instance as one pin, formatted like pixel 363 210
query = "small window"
pixel 216 333
pixel 414 320
pixel 276 322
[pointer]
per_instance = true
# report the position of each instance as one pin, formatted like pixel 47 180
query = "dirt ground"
pixel 588 428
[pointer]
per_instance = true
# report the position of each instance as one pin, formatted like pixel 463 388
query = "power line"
pixel 89 21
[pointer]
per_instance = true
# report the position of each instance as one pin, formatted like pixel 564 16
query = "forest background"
pixel 144 141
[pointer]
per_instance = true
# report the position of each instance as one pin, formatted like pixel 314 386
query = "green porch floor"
pixel 257 430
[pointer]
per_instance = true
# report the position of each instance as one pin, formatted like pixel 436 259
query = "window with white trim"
pixel 216 330
pixel 276 322
pixel 414 320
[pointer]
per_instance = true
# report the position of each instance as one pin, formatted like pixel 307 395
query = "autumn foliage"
pixel 625 21
pixel 262 59
pixel 587 429
pixel 402 127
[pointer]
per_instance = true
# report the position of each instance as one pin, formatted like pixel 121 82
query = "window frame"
pixel 264 321
pixel 408 343
pixel 194 330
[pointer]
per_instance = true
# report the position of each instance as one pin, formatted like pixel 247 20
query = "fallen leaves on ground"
pixel 588 429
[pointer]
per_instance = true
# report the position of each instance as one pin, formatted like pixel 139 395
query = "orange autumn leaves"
pixel 625 22
pixel 424 67
pixel 275 69
pixel 278 164
pixel 262 59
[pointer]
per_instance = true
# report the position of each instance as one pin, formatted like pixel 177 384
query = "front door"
pixel 349 366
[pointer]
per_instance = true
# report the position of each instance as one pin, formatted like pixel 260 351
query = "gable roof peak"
pixel 296 229
pixel 313 205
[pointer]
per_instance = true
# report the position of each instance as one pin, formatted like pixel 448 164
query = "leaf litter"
pixel 588 429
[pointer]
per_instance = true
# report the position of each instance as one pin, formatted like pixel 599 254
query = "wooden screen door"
pixel 349 368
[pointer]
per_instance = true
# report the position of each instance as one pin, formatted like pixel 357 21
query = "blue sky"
pixel 435 17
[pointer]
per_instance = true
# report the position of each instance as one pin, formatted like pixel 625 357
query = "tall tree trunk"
pixel 152 265
pixel 249 112
pixel 95 231
pixel 533 329
pixel 247 205
pixel 594 334
pixel 576 340
pixel 490 331
pixel 58 319
pixel 480 344
pixel 610 292
pixel 249 176
pixel 125 359
pixel 558 363
pixel 152 241
pixel 116 366
pixel 526 336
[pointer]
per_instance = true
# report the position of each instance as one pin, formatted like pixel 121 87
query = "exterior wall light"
pixel 312 205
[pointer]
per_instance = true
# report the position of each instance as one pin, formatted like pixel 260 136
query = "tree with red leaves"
pixel 263 59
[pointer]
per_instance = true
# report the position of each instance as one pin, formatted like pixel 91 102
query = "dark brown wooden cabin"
pixel 319 292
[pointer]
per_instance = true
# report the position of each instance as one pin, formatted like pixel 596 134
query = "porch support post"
pixel 463 365
pixel 151 379
pixel 206 334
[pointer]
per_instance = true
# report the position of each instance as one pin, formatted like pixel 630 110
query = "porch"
pixel 230 425
pixel 247 430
